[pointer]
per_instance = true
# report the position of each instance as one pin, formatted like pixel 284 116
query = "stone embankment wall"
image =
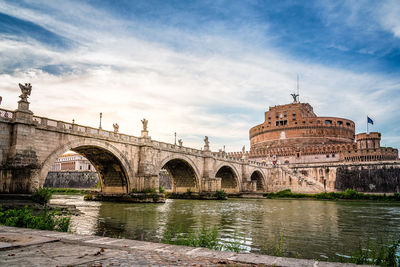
pixel 71 179
pixel 379 178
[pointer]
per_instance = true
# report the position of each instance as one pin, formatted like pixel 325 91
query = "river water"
pixel 308 228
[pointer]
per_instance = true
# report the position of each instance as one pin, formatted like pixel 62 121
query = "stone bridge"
pixel 30 144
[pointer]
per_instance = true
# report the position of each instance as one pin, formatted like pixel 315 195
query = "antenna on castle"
pixel 298 94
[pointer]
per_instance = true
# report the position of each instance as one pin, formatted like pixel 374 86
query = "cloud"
pixel 390 17
pixel 220 86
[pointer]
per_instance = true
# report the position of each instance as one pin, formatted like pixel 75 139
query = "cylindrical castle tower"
pixel 295 126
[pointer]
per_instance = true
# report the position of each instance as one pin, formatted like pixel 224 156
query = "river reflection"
pixel 310 229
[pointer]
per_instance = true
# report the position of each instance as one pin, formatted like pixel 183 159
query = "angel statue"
pixel 25 90
pixel 295 98
pixel 116 127
pixel 206 141
pixel 244 149
pixel 144 122
pixel 180 142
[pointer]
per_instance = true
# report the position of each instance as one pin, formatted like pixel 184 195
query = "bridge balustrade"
pixel 52 123
pixel 7 114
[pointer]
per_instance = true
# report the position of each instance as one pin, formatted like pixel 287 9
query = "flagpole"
pixel 367 124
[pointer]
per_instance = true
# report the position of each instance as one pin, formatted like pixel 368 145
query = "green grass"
pixel 67 191
pixel 45 220
pixel 349 194
pixel 205 237
pixel 373 254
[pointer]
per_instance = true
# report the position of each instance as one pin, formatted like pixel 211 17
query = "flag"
pixel 369 120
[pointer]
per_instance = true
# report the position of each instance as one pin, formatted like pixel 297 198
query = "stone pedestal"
pixel 145 133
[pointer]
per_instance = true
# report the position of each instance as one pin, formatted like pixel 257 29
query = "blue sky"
pixel 202 67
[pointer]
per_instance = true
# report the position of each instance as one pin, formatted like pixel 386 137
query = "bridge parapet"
pixel 175 148
pixel 87 131
pixel 6 114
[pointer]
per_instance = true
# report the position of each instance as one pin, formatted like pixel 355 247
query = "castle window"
pixel 339 122
pixel 318 121
pixel 327 156
pixel 328 122
pixel 333 155
pixel 347 123
pixel 285 114
pixel 304 122
pixel 277 115
pixel 277 123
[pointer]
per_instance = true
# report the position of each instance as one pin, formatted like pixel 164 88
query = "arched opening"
pixel 229 180
pixel 72 170
pixel 110 170
pixel 182 176
pixel 258 178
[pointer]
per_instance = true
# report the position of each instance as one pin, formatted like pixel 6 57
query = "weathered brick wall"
pixel 71 179
pixel 5 136
pixel 375 178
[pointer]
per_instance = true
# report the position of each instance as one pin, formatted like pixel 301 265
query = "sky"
pixel 202 68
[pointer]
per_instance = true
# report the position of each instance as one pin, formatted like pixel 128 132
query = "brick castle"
pixel 293 133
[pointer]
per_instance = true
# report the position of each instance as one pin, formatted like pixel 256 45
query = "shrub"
pixel 189 192
pixel 149 190
pixel 42 195
pixel 350 194
pixel 161 189
pixel 24 217
pixel 220 194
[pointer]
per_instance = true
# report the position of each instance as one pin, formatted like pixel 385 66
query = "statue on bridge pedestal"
pixel 180 142
pixel 116 127
pixel 206 144
pixel 144 123
pixel 25 90
pixel 145 133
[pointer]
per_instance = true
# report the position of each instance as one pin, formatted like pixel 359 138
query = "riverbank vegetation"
pixel 68 191
pixel 26 217
pixel 373 254
pixel 205 237
pixel 349 194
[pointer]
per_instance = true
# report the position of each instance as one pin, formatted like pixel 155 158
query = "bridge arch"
pixel 110 163
pixel 258 176
pixel 229 175
pixel 183 173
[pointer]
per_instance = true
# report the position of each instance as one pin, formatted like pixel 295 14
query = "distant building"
pixel 72 162
pixel 293 133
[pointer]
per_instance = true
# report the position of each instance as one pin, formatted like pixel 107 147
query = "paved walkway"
pixel 27 247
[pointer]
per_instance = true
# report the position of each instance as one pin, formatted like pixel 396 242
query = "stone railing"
pixel 73 128
pixel 6 114
pixel 176 148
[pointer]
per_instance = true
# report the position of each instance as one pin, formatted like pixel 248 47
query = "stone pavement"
pixel 27 247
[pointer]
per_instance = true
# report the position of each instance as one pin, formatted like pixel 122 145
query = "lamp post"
pixel 101 116
pixel 175 139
